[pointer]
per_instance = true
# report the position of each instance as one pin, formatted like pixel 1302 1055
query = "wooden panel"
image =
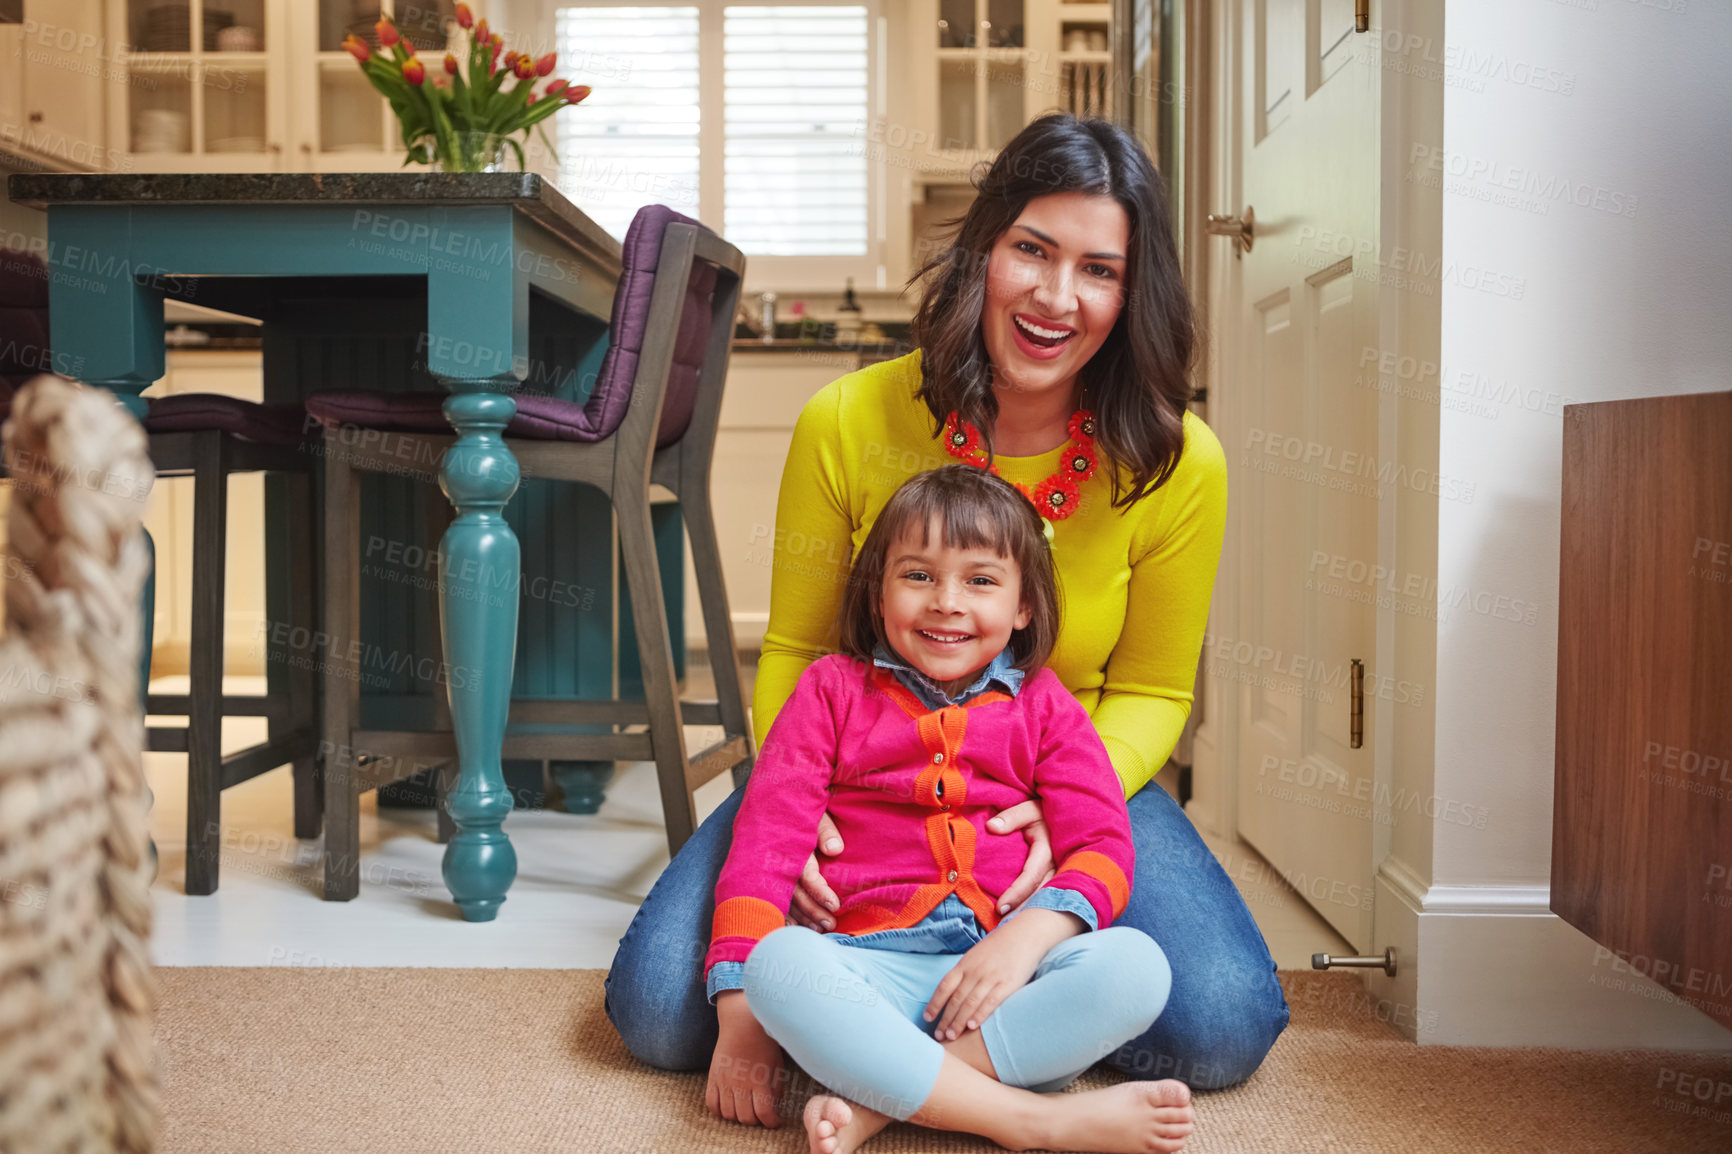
pixel 1642 818
pixel 1280 64
pixel 768 390
pixel 1328 40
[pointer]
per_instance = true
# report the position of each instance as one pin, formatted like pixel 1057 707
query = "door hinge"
pixel 1356 718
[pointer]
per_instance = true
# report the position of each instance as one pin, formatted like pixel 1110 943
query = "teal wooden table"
pixel 483 283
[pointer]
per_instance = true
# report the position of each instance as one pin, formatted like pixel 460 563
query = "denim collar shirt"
pixel 1001 670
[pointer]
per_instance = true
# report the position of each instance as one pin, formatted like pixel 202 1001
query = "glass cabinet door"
pixel 1003 24
pixel 956 104
pixel 1085 59
pixel 198 94
pixel 981 75
pixel 349 126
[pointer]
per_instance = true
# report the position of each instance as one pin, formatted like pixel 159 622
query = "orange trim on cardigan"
pixel 1104 870
pixel 899 693
pixel 871 919
pixel 949 837
pixel 941 733
pixel 990 697
pixel 911 704
pixel 746 917
pixel 868 919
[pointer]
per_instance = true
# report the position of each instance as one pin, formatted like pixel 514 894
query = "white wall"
pixel 1615 287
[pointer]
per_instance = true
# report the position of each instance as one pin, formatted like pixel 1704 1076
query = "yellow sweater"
pixel 1134 583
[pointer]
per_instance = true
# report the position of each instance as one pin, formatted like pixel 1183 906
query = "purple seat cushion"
pixel 248 420
pixel 538 418
pixel 545 418
pixel 23 280
pixel 23 319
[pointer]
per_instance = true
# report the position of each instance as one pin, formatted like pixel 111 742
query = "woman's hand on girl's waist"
pixel 815 903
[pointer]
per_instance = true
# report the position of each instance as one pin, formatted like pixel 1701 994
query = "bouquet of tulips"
pixel 466 115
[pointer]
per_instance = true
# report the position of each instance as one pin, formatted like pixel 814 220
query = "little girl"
pixel 926 1004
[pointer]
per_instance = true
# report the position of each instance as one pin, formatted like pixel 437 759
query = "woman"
pixel 1060 293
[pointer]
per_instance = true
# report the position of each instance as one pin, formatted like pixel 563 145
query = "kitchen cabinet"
pixel 342 123
pixel 11 67
pixel 988 67
pixel 257 85
pixel 200 84
pixel 51 85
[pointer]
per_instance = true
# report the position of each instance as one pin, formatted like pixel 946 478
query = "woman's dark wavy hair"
pixel 1139 381
pixel 975 510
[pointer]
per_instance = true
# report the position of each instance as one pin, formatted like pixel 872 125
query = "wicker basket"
pixel 76 1001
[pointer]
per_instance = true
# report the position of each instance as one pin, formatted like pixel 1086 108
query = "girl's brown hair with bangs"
pixel 975 510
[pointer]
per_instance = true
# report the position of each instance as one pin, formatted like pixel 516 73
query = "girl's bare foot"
pixel 1130 1118
pixel 837 1126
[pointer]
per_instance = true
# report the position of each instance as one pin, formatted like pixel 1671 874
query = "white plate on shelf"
pixel 239 39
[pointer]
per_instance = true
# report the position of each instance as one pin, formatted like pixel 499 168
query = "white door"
pixel 1301 438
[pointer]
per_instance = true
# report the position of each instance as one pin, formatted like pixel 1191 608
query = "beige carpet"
pixel 525 1060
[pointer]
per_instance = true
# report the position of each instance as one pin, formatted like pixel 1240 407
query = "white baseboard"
pixel 1491 965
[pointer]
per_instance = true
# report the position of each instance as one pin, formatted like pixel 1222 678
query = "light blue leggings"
pixel 852 1017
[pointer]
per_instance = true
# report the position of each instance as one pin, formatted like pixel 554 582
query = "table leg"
pixel 106 325
pixel 479 567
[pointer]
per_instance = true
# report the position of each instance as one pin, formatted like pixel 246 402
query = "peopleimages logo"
pixel 1256 660
pixel 1415 588
pixel 1354 472
pixel 1545 187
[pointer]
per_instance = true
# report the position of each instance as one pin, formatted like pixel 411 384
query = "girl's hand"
pixel 746 1074
pixel 995 968
pixel 1037 870
pixel 814 901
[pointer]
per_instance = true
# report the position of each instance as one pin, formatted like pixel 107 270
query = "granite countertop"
pixel 525 191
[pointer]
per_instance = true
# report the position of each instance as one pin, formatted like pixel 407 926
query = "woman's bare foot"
pixel 837 1126
pixel 1130 1118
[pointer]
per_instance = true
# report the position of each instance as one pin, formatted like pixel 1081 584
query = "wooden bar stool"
pixel 651 419
pixel 210 438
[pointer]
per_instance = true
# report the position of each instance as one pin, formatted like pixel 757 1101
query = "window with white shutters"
pixel 794 171
pixel 751 118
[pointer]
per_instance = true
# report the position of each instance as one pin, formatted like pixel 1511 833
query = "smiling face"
pixel 949 611
pixel 1054 289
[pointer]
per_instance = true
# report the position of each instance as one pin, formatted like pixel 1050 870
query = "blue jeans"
pixel 1224 1012
pixel 851 1011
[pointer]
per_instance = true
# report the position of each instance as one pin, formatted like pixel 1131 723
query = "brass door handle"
pixel 1362 16
pixel 1241 229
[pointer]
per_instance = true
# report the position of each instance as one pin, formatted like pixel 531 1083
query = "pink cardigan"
pixel 910 790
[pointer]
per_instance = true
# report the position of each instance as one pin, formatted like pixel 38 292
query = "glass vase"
pixel 471 152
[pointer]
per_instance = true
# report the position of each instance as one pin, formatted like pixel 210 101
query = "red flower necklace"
pixel 1054 498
